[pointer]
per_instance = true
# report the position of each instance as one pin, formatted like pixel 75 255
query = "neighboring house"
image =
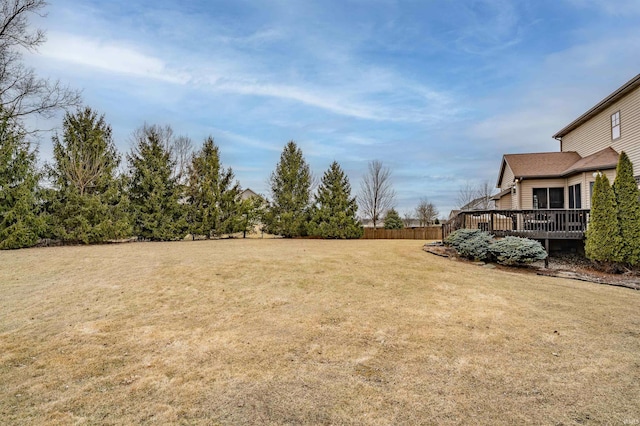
pixel 248 193
pixel 481 203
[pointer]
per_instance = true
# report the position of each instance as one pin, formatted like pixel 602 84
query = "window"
pixel 575 197
pixel 548 198
pixel 615 125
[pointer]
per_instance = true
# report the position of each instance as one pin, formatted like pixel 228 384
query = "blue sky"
pixel 438 90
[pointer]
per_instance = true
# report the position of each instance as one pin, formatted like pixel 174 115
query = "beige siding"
pixel 507 178
pixel 526 190
pixel 595 134
pixel 504 203
pixel 588 178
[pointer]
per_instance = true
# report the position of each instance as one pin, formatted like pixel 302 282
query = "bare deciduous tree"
pixel 407 219
pixel 474 196
pixel 22 93
pixel 426 212
pixel 182 150
pixel 376 193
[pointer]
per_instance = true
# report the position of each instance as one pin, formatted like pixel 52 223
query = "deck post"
pixel 546 247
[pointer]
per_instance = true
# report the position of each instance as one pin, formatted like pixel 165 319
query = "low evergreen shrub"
pixel 457 237
pixel 516 250
pixel 470 243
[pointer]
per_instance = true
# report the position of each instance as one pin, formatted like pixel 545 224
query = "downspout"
pixel 559 139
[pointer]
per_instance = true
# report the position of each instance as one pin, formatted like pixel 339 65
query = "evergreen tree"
pixel 89 202
pixel 392 220
pixel 20 223
pixel 154 192
pixel 628 210
pixel 253 214
pixel 334 212
pixel 213 197
pixel 603 239
pixel 291 191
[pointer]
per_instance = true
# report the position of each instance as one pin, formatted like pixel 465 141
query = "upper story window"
pixel 615 125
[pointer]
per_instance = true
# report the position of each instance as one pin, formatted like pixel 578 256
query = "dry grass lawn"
pixel 307 332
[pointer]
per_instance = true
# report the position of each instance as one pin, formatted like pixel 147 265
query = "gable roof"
pixel 538 164
pixel 602 160
pixel 556 164
pixel 248 193
pixel 619 93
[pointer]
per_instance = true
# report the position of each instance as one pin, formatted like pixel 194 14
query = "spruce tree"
pixel 628 210
pixel 155 194
pixel 20 221
pixel 213 196
pixel 603 239
pixel 291 192
pixel 392 220
pixel 334 212
pixel 89 200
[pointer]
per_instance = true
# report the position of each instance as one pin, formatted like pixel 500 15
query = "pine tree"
pixel 291 192
pixel 392 220
pixel 603 239
pixel 20 221
pixel 334 212
pixel 89 202
pixel 154 192
pixel 213 196
pixel 628 210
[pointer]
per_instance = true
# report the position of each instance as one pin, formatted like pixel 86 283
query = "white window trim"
pixel 615 125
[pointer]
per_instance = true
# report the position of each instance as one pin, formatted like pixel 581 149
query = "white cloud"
pixel 379 95
pixel 108 56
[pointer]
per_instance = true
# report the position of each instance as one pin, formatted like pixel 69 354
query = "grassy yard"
pixel 307 332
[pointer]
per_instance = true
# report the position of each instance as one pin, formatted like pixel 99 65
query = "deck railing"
pixel 536 224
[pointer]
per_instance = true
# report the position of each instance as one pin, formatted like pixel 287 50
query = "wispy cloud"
pixel 382 97
pixel 108 56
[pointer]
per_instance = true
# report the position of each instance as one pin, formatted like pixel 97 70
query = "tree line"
pixel 158 197
pixel 166 191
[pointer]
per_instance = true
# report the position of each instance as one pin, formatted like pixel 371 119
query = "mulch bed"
pixel 569 266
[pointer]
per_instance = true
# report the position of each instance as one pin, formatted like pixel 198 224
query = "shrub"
pixel 470 243
pixel 455 238
pixel 516 250
pixel 603 240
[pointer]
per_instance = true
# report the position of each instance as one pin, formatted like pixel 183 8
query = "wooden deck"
pixel 552 224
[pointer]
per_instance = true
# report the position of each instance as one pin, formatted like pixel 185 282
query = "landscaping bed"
pixel 561 265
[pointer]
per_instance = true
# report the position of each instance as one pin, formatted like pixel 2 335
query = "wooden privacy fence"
pixel 423 233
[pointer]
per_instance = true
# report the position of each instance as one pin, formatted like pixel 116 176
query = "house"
pixel 551 180
pixel 589 144
pixel 547 195
pixel 248 193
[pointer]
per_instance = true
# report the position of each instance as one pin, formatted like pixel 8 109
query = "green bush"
pixel 470 243
pixel 516 250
